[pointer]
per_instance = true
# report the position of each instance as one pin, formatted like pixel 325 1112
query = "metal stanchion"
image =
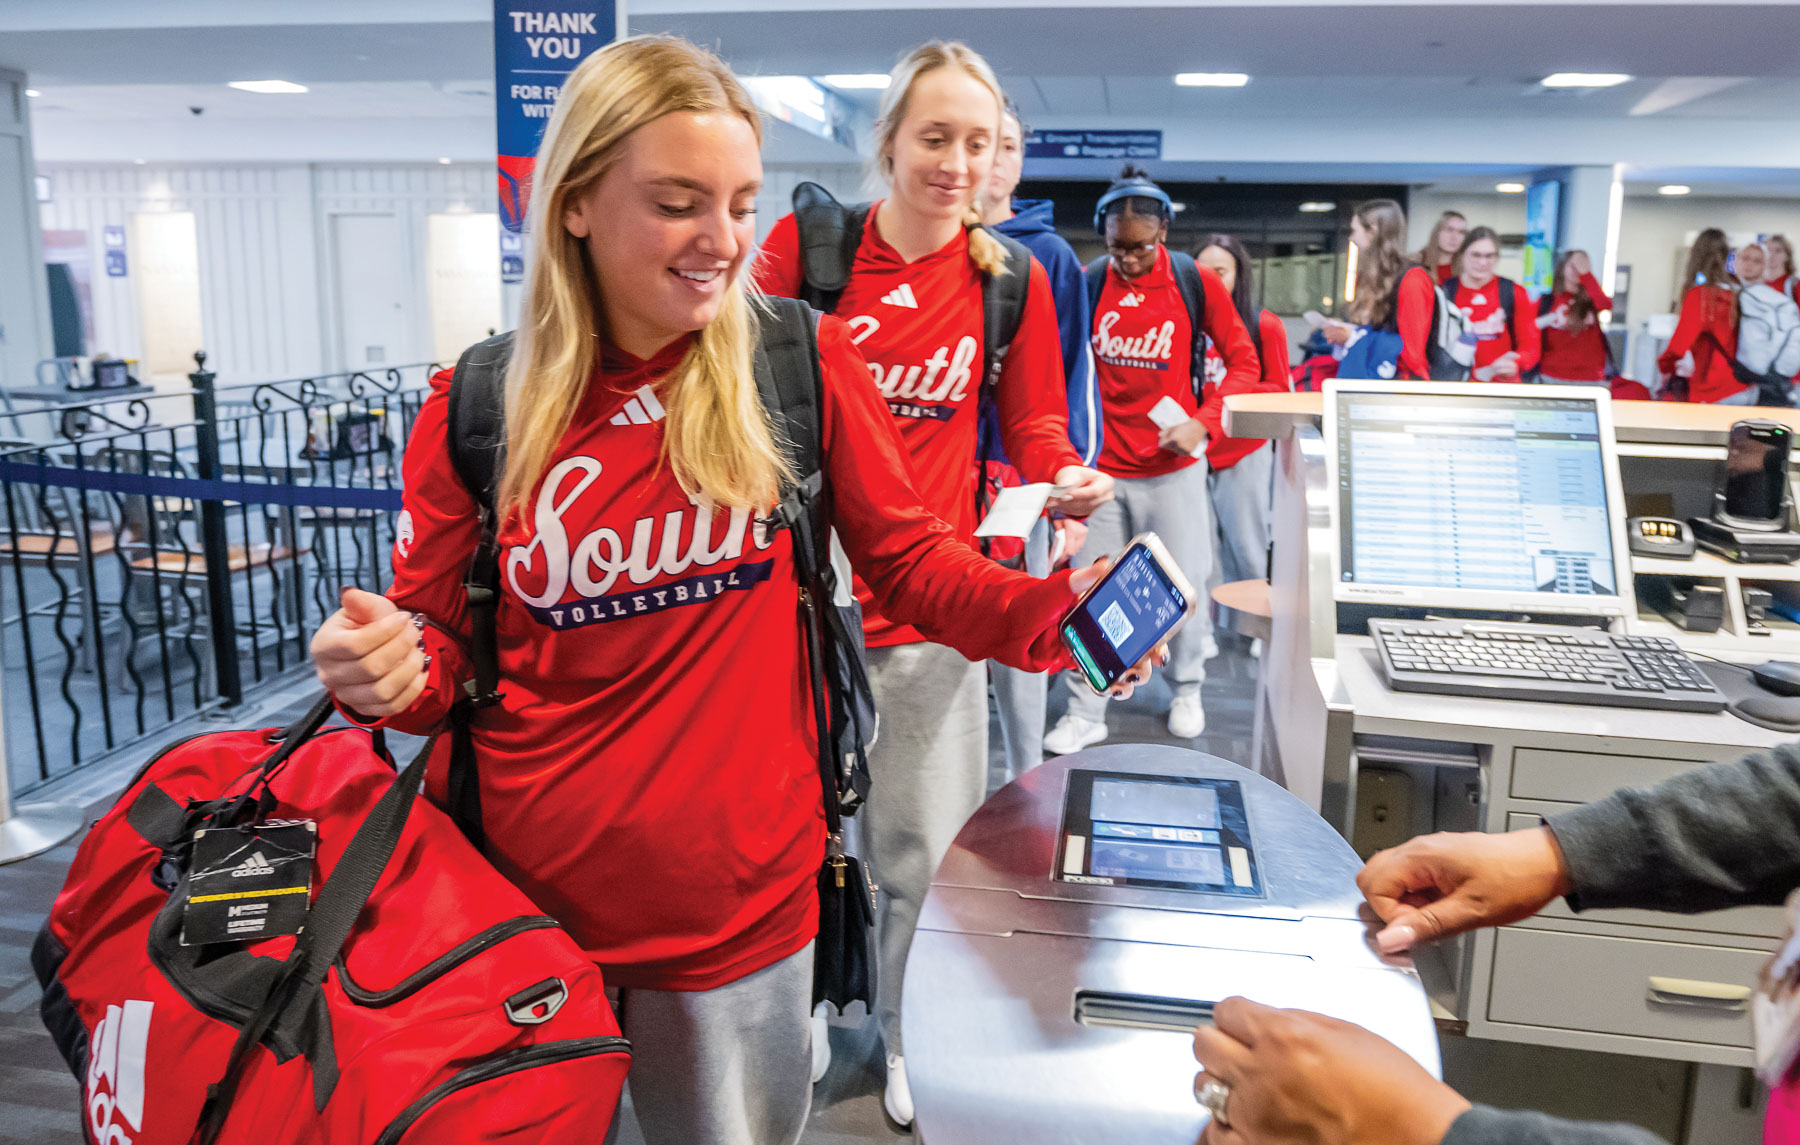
pixel 30 828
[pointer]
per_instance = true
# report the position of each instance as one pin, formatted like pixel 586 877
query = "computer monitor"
pixel 1476 496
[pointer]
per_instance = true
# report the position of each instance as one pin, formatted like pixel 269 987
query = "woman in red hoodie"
pixel 1779 270
pixel 1506 347
pixel 1392 299
pixel 914 302
pixel 648 775
pixel 1699 353
pixel 1439 253
pixel 1242 477
pixel 1574 346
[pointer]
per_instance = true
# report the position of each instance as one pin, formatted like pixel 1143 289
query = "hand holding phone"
pixel 1120 625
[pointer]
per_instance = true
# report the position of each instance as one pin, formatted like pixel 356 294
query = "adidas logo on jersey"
pixel 1132 300
pixel 256 864
pixel 641 408
pixel 901 295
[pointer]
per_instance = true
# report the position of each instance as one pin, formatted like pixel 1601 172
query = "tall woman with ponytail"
pixel 647 773
pixel 914 301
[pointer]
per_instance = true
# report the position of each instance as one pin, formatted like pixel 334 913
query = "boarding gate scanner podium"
pixel 1087 918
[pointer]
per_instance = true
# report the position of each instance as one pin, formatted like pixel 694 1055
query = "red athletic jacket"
pixel 1785 284
pixel 1494 336
pixel 1224 452
pixel 1705 308
pixel 649 776
pixel 919 326
pixel 1576 355
pixel 1444 271
pixel 1143 351
pixel 1412 318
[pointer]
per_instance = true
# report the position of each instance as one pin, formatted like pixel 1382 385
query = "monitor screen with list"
pixel 1499 498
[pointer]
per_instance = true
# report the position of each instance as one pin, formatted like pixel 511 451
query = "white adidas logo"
pixel 901 295
pixel 641 408
pixel 1131 300
pixel 256 864
pixel 117 1051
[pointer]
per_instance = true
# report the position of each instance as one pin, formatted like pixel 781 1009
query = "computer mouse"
pixel 1779 676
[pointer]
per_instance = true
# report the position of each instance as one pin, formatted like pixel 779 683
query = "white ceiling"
pixel 1438 90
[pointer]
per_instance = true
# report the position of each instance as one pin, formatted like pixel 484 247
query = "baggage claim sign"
pixel 536 46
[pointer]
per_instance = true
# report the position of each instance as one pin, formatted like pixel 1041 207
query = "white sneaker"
pixel 1187 718
pixel 1072 733
pixel 898 1099
pixel 821 1044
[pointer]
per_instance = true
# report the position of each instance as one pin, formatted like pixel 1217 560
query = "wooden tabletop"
pixel 1243 607
pixel 1664 423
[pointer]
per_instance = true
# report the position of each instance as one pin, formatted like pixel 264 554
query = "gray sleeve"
pixel 1483 1125
pixel 1720 836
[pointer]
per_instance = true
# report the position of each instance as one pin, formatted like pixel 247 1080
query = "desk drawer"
pixel 1622 986
pixel 1583 776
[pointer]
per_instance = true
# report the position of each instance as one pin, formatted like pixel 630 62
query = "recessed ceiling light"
pixel 1211 79
pixel 140 162
pixel 1674 189
pixel 1317 208
pixel 268 87
pixel 1585 79
pixel 33 92
pixel 1510 188
pixel 444 159
pixel 858 81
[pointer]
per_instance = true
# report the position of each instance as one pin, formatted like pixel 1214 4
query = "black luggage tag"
pixel 249 883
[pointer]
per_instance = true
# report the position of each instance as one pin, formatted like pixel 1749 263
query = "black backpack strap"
pixel 791 386
pixel 1193 297
pixel 1095 276
pixel 1003 298
pixel 829 234
pixel 1509 305
pixel 477 441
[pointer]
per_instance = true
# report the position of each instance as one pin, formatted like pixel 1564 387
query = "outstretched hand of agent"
pixel 1079 582
pixel 1440 885
pixel 1299 1078
pixel 368 654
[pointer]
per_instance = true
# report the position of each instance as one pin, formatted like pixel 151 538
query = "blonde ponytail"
pixel 716 435
pixel 985 251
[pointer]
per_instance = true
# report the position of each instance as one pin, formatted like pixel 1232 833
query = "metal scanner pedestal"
pixel 1049 1012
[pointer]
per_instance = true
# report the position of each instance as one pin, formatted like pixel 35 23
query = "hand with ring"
pixel 1289 1077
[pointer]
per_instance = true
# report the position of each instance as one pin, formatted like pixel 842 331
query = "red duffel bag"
pixel 425 999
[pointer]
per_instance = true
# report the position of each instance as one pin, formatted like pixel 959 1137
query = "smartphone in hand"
pixel 1141 601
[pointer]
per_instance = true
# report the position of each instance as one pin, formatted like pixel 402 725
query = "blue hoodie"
pixel 1031 225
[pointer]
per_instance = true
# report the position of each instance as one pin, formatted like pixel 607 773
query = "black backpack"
pixel 1193 298
pixel 788 379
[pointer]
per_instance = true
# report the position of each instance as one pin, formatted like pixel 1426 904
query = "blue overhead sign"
pixel 1094 145
pixel 112 239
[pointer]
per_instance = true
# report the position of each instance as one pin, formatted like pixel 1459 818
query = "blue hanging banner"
pixel 1094 145
pixel 537 43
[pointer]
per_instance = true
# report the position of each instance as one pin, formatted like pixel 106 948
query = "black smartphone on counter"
pixel 1756 473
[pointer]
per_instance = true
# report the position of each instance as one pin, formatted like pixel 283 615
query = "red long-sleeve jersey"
pixel 1494 336
pixel 648 777
pixel 1143 352
pixel 919 326
pixel 1705 309
pixel 1224 452
pixel 1416 297
pixel 1576 355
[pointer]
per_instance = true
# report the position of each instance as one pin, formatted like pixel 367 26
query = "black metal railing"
pixel 167 554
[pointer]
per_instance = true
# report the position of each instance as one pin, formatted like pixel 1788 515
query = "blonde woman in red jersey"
pixel 1574 346
pixel 1506 349
pixel 1778 271
pixel 914 301
pixel 1439 253
pixel 649 774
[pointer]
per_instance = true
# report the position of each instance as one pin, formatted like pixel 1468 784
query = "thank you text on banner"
pixel 537 43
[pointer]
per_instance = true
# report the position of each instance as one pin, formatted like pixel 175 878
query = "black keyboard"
pixel 1542 662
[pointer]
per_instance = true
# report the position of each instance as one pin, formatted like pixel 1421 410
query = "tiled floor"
pixel 38 1096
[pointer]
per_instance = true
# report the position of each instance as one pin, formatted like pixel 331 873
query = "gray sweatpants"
pixel 929 770
pixel 1176 507
pixel 1022 697
pixel 1243 498
pixel 729 1066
